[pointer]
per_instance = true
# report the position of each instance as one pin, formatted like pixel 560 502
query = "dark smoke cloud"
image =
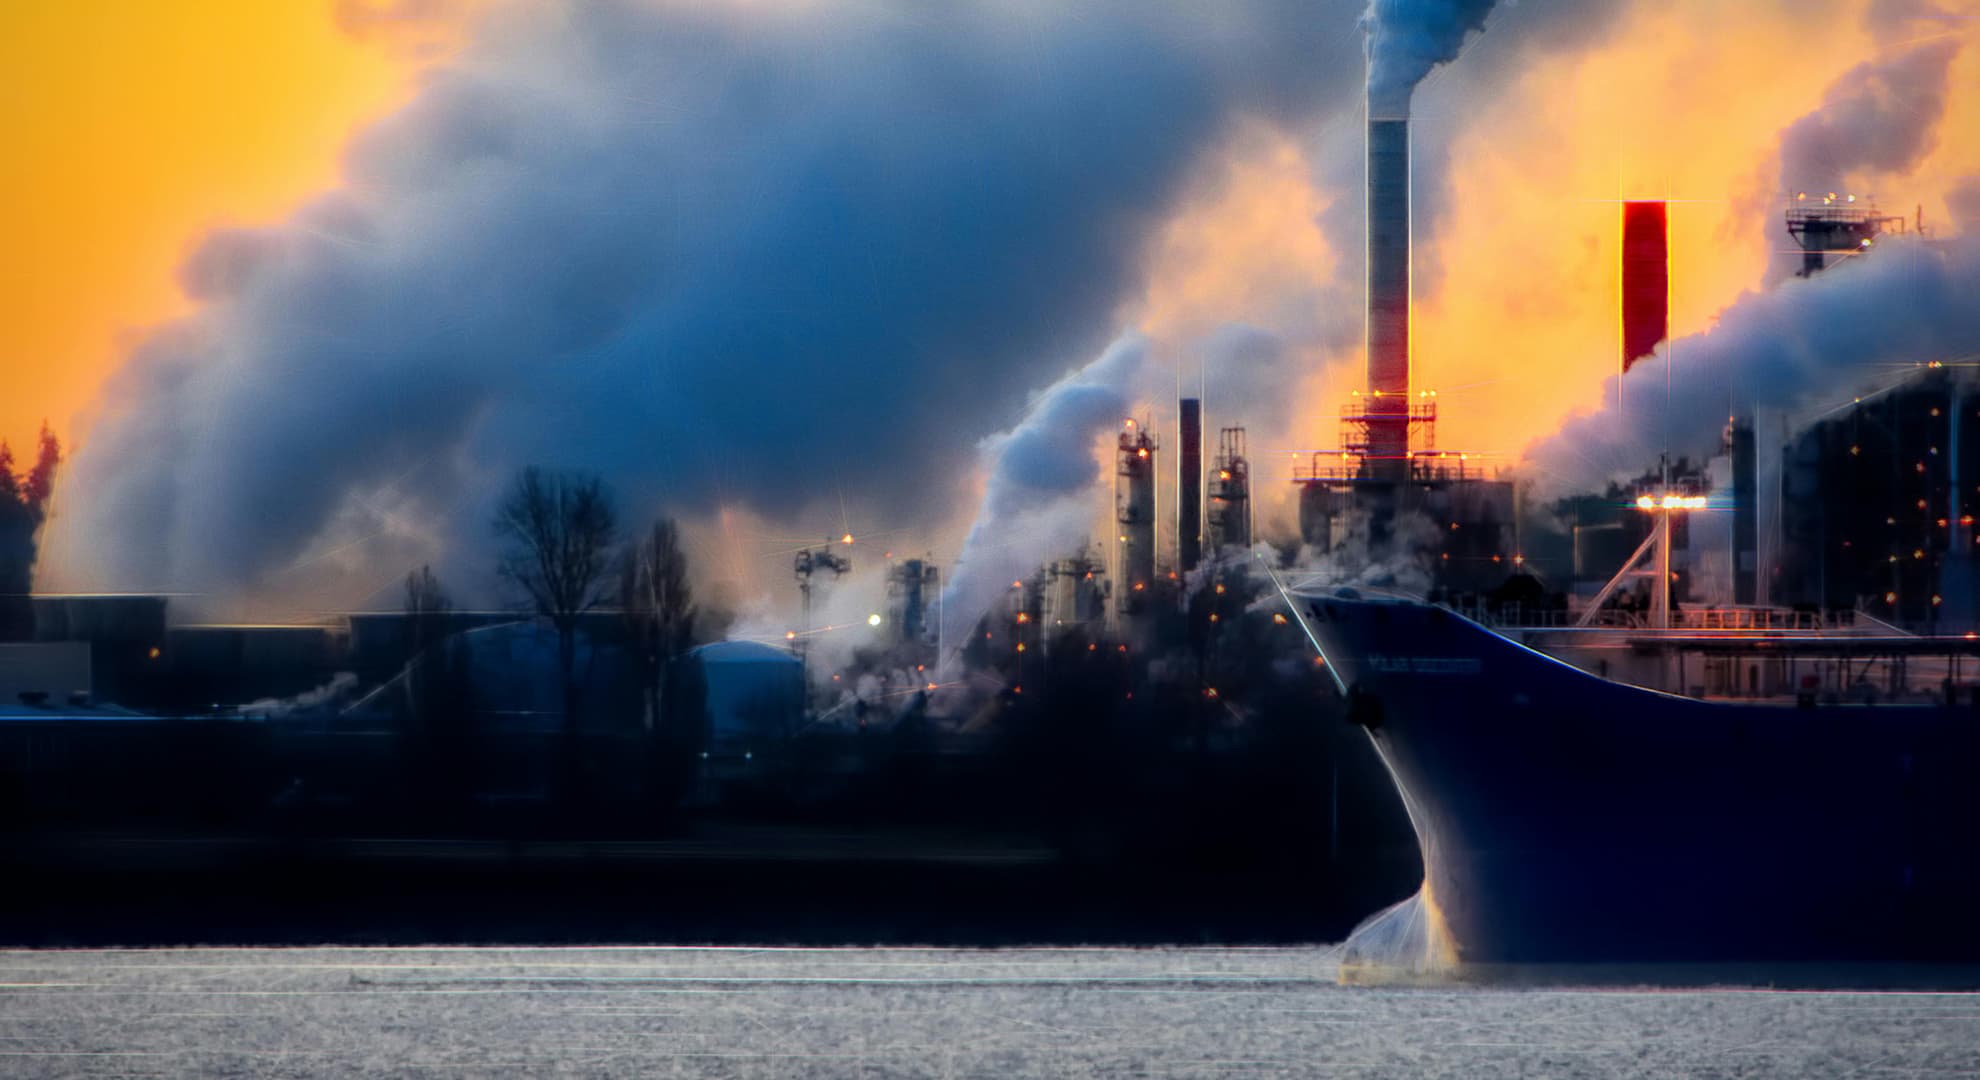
pixel 757 255
pixel 1406 38
pixel 1879 119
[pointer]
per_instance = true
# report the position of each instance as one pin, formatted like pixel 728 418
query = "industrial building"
pixel 1386 465
pixel 1877 505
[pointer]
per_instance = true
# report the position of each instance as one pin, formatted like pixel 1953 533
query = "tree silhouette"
pixel 557 531
pixel 24 503
pixel 658 603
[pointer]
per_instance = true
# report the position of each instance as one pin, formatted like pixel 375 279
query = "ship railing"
pixel 1746 618
pixel 1516 617
pixel 1728 619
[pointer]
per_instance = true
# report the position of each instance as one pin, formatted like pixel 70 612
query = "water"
pixel 914 1012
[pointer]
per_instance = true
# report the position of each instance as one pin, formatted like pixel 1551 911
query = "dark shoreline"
pixel 734 885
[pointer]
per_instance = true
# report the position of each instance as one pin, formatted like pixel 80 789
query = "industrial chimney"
pixel 1189 486
pixel 1646 278
pixel 1134 512
pixel 1388 299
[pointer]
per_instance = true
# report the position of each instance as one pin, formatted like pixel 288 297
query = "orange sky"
pixel 131 126
pixel 1525 328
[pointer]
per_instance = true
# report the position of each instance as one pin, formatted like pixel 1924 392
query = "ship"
pixel 1567 816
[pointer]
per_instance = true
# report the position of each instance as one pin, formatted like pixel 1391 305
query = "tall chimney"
pixel 1646 277
pixel 1189 487
pixel 1388 298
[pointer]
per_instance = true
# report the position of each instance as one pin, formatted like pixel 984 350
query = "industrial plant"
pixel 1164 653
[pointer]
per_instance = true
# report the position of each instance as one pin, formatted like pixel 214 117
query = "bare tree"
pixel 557 531
pixel 659 607
pixel 427 609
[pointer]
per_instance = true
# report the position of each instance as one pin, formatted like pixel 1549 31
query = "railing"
pixel 1752 619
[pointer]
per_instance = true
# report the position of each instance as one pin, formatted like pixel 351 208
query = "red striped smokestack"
pixel 1646 292
pixel 1388 298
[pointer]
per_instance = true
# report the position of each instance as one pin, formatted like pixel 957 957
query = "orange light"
pixel 1020 647
pixel 1024 617
pixel 1143 452
pixel 1220 588
pixel 1278 619
pixel 1090 646
pixel 152 652
pixel 1138 586
pixel 1213 616
pixel 789 635
pixel 846 539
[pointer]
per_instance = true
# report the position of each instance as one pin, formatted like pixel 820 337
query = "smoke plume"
pixel 1809 342
pixel 1407 38
pixel 753 256
pixel 1039 502
pixel 1879 119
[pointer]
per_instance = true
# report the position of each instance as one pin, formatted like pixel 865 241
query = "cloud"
pixel 1809 341
pixel 749 255
pixel 1879 119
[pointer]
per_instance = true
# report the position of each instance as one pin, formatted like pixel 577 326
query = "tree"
pixel 427 610
pixel 23 509
pixel 557 530
pixel 439 696
pixel 659 608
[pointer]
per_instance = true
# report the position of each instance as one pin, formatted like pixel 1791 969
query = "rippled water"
pixel 913 1012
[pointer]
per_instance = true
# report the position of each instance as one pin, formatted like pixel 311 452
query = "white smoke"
pixel 1804 341
pixel 1039 502
pixel 1407 38
pixel 1809 341
pixel 1878 119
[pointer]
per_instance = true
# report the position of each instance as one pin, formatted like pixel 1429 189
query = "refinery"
pixel 1391 666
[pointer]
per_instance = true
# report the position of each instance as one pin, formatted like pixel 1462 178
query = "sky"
pixel 304 283
pixel 132 128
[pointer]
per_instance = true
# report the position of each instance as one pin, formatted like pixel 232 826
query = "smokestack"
pixel 1134 506
pixel 1189 487
pixel 1746 518
pixel 1388 298
pixel 1646 292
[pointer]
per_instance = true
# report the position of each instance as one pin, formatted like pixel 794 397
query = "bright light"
pixel 1278 619
pixel 1671 502
pixel 873 619
pixel 1143 452
pixel 846 539
pixel 790 635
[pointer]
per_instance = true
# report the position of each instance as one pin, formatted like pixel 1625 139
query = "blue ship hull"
pixel 1566 818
